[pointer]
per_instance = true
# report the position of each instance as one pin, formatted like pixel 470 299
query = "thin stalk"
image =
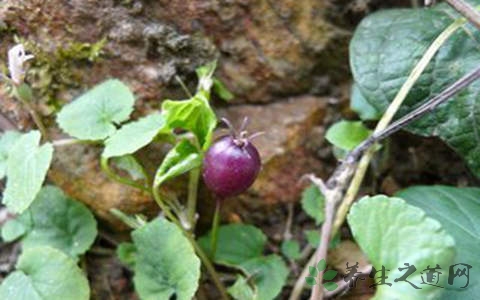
pixel 184 87
pixel 112 175
pixel 387 118
pixel 466 10
pixel 126 219
pixel 215 223
pixel 194 177
pixel 210 268
pixel 203 257
pixel 33 113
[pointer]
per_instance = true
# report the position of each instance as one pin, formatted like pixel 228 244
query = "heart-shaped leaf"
pixel 346 135
pixel 393 233
pixel 56 221
pixel 269 275
pixel 133 136
pixel 27 167
pixel 93 115
pixel 236 243
pixel 165 262
pixel 7 140
pixel 385 48
pixel 44 273
pixel 291 249
pixel 241 290
pixel 458 209
pixel 313 203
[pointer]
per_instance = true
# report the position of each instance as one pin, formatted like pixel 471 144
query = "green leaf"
pixel 130 164
pixel 45 273
pixel 291 249
pixel 180 159
pixel 13 230
pixel 458 209
pixel 312 271
pixel 330 286
pixel 241 290
pixel 165 262
pixel 221 90
pixel 360 105
pixel 194 115
pixel 236 243
pixel 391 232
pixel 322 264
pixel 329 275
pixel 59 222
pixel 27 167
pixel 313 203
pixel 95 114
pixel 133 136
pixel 385 48
pixel 7 140
pixel 347 135
pixel 311 281
pixel 126 253
pixel 269 275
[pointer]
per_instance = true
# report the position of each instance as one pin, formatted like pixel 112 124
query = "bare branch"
pixel 468 11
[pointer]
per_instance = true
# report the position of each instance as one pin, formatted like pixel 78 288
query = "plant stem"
pixel 112 175
pixel 469 12
pixel 127 220
pixel 33 113
pixel 210 268
pixel 194 177
pixel 215 223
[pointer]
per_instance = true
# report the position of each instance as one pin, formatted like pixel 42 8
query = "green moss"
pixel 53 72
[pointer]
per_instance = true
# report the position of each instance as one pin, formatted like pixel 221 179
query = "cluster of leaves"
pixel 421 225
pixel 161 254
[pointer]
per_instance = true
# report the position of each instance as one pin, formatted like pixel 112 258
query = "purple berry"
pixel 231 165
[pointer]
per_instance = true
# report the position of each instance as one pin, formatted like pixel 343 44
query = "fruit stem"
pixel 192 197
pixel 215 223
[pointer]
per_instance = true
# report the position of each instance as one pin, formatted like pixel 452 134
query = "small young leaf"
pixel 133 136
pixel 194 115
pixel 59 222
pixel 311 281
pixel 291 249
pixel 241 290
pixel 165 262
pixel 93 115
pixel 130 164
pixel 269 275
pixel 313 203
pixel 180 159
pixel 126 253
pixel 221 90
pixel 391 232
pixel 321 265
pixel 313 271
pixel 347 134
pixel 7 140
pixel 236 244
pixel 44 273
pixel 330 286
pixel 13 230
pixel 329 275
pixel 27 167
